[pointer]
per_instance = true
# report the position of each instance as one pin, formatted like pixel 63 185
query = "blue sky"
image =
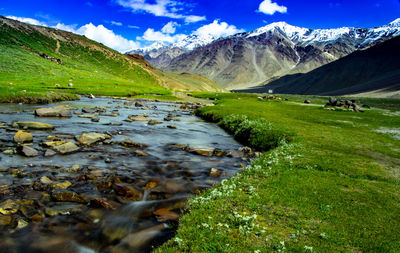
pixel 123 24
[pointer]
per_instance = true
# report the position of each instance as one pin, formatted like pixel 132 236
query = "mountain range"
pixel 375 71
pixel 265 54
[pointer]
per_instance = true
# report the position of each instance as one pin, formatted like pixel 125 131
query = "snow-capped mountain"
pixel 256 57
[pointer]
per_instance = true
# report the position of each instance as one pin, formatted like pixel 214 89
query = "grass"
pixel 334 188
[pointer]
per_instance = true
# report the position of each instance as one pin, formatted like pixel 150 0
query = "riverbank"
pixel 334 187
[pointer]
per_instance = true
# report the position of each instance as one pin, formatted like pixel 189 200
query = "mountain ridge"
pixel 269 52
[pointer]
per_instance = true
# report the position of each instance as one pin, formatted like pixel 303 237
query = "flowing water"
pixel 107 197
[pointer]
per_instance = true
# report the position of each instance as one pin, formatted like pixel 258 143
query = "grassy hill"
pixel 28 61
pixel 373 69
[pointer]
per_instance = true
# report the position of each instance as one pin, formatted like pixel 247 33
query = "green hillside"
pixel 28 61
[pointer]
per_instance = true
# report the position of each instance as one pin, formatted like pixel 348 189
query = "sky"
pixel 130 24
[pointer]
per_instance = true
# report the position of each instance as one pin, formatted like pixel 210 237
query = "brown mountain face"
pixel 373 70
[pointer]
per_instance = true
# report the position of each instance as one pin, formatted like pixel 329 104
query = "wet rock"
pixel 172 126
pixel 5 220
pixel 34 125
pixel 31 212
pixel 153 122
pixel 95 119
pixel 128 190
pixel 50 144
pixel 57 111
pixel 91 96
pixel 22 223
pixel 138 118
pixel 64 209
pixel 49 153
pixel 23 137
pixel 140 153
pixel 107 160
pixel 164 215
pixel 9 207
pixel 69 196
pixel 9 151
pixel 307 101
pixel 204 151
pixel 104 203
pixel 214 172
pixel 66 148
pixel 46 180
pixel 28 151
pixel 61 186
pixel 88 139
pixel 131 144
pixel 138 104
pixel 134 242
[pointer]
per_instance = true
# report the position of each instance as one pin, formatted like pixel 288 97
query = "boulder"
pixel 57 111
pixel 307 101
pixel 49 153
pixel 138 104
pixel 138 118
pixel 204 151
pixel 153 122
pixel 35 125
pixel 131 144
pixel 69 196
pixel 9 207
pixel 88 139
pixel 66 148
pixel 28 151
pixel 128 191
pixel 63 209
pixel 23 137
pixel 164 215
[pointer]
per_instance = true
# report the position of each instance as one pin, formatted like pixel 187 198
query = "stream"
pixel 121 192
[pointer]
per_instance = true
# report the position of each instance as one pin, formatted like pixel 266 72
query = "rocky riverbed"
pixel 104 175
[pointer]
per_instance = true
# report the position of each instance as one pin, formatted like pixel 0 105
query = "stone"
pixel 140 153
pixel 164 215
pixel 8 152
pixel 57 111
pixel 138 118
pixel 5 220
pixel 307 101
pixel 88 139
pixel 64 209
pixel 49 153
pixel 28 151
pixel 172 126
pixel 128 191
pixel 50 144
pixel 35 125
pixel 91 96
pixel 23 137
pixel 61 186
pixel 104 203
pixel 131 144
pixel 153 122
pixel 22 223
pixel 8 207
pixel 69 196
pixel 95 119
pixel 204 151
pixel 45 180
pixel 31 212
pixel 332 101
pixel 66 148
pixel 138 104
pixel 214 172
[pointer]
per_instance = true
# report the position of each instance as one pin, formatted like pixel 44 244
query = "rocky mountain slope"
pixel 263 55
pixel 374 69
pixel 37 58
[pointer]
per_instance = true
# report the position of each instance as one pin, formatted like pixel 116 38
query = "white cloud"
pixel 107 37
pixel 68 28
pixel 217 29
pixel 170 27
pixel 161 8
pixel 152 35
pixel 269 8
pixel 27 20
pixel 134 26
pixel 116 23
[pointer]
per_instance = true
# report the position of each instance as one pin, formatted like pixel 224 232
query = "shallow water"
pixel 163 180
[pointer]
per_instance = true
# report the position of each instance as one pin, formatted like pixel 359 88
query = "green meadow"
pixel 331 185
